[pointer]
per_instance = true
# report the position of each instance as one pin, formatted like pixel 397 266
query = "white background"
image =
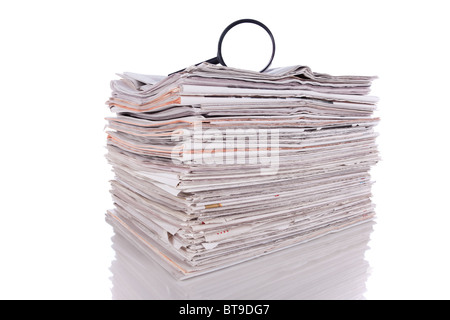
pixel 56 61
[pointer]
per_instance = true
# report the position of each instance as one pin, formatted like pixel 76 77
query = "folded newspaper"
pixel 215 165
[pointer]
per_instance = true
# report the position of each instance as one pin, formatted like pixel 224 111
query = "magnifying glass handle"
pixel 219 58
pixel 214 60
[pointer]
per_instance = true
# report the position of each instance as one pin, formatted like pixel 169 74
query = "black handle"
pixel 219 58
pixel 212 60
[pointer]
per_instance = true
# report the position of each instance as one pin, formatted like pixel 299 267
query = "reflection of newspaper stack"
pixel 329 267
pixel 215 166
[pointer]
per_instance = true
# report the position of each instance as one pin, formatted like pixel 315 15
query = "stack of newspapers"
pixel 215 165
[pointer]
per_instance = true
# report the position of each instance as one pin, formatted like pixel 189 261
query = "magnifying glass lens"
pixel 247 46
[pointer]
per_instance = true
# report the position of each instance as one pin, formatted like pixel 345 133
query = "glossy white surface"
pixel 329 267
pixel 56 63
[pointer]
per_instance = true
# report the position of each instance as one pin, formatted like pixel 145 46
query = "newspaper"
pixel 215 165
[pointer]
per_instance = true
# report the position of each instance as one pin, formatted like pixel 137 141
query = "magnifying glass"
pixel 246 46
